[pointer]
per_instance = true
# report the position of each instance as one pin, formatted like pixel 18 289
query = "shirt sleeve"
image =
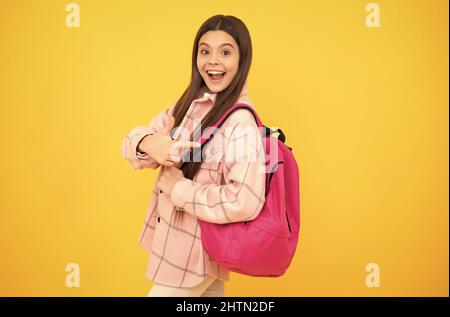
pixel 131 141
pixel 242 196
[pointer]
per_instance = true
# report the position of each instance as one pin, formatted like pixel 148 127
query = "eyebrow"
pixel 202 43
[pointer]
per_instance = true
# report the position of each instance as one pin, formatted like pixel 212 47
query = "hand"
pixel 163 149
pixel 169 176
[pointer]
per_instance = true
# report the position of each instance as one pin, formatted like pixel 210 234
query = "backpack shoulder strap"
pixel 235 107
pixel 207 134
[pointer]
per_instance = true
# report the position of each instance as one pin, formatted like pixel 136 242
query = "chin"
pixel 216 88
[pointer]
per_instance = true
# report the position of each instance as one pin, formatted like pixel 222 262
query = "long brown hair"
pixel 224 99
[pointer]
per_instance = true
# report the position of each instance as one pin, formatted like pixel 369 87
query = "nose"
pixel 213 62
pixel 213 59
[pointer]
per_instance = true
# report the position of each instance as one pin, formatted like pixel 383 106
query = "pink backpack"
pixel 266 245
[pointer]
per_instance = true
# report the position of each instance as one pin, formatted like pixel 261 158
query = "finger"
pixel 174 154
pixel 168 163
pixel 195 144
pixel 174 158
pixel 187 144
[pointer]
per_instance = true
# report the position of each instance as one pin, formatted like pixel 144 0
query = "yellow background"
pixel 364 109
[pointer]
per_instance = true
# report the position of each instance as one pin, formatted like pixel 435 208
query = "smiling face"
pixel 217 59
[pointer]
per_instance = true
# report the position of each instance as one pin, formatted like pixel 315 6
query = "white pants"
pixel 210 287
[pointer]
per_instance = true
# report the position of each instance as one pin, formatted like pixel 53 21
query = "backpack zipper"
pixel 289 225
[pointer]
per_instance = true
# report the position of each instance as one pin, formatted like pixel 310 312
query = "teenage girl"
pixel 220 187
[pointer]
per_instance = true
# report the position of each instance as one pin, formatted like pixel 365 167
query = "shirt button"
pixel 160 191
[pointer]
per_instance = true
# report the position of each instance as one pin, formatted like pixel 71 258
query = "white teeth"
pixel 215 73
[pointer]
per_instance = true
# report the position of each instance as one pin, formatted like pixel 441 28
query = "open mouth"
pixel 216 76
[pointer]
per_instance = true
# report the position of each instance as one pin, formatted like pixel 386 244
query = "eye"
pixel 226 52
pixel 201 51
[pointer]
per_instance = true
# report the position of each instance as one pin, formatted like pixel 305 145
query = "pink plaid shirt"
pixel 224 190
